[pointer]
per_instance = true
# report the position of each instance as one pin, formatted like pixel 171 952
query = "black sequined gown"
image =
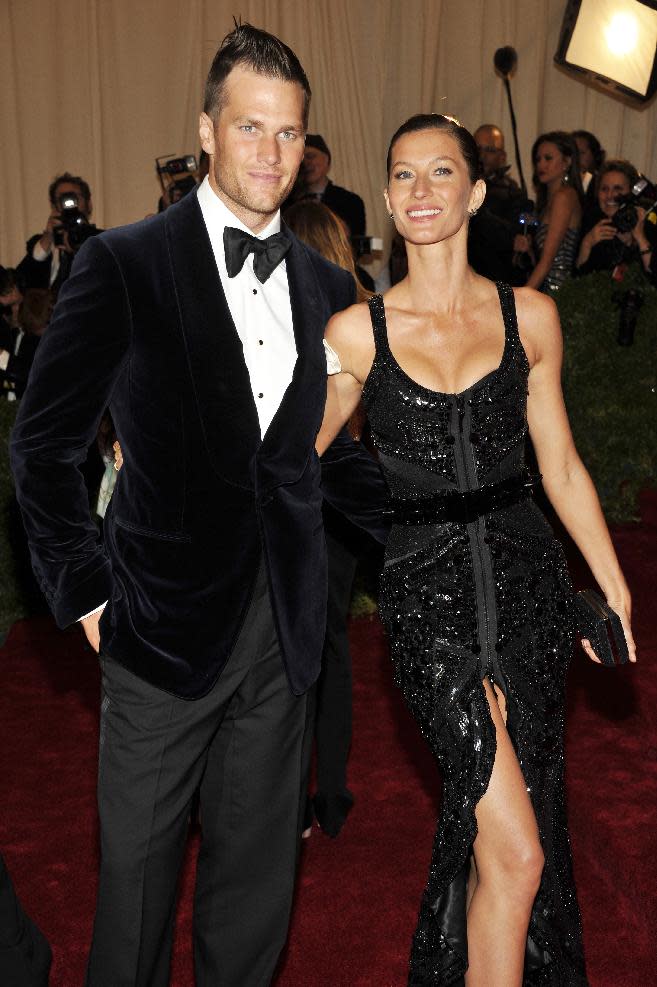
pixel 464 600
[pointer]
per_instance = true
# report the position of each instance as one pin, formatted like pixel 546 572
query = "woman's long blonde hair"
pixel 321 229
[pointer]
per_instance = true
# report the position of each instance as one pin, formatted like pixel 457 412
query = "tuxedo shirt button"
pixel 255 291
pixel 260 342
pixel 260 394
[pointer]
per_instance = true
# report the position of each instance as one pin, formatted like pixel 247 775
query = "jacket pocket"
pixel 138 529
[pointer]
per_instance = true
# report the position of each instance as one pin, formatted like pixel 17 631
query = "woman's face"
pixel 429 190
pixel 612 185
pixel 550 164
pixel 585 154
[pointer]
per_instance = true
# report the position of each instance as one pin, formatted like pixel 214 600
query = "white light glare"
pixel 622 34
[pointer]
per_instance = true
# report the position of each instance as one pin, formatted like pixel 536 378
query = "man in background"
pixel 504 196
pixel 492 230
pixel 48 256
pixel 315 184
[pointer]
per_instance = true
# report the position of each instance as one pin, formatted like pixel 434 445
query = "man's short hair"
pixel 85 191
pixel 259 51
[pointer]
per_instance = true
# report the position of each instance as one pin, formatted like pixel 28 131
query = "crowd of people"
pixel 584 217
pixel 207 599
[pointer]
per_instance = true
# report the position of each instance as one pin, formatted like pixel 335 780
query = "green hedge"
pixel 611 390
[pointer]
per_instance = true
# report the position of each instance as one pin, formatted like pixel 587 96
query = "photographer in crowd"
pixel 614 233
pixel 49 255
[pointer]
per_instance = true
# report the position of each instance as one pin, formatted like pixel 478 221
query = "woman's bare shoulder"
pixel 565 198
pixel 349 324
pixel 538 322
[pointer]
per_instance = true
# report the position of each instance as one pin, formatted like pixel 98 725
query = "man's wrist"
pixel 42 250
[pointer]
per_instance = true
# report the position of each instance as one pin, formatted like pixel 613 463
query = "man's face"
pixel 490 143
pixel 11 302
pixel 315 165
pixel 255 144
pixel 70 188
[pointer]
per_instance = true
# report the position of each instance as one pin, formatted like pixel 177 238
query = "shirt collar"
pixel 217 214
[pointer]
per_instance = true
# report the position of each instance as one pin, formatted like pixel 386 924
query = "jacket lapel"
pixel 291 434
pixel 216 360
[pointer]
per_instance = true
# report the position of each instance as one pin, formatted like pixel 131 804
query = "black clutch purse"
pixel 601 625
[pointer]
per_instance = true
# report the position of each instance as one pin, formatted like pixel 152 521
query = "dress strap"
pixel 379 327
pixel 508 306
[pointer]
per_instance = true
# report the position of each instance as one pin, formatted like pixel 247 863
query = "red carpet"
pixel 358 895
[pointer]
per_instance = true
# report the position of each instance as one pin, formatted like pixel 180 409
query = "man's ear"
pixel 206 133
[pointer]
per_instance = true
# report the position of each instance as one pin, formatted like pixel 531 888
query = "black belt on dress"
pixel 465 506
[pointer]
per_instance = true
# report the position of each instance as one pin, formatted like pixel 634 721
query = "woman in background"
pixel 604 245
pixel 559 200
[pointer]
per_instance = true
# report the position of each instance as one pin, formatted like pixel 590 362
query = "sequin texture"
pixel 463 601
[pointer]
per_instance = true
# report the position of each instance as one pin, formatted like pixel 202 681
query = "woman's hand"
pixel 604 230
pixel 623 607
pixel 118 456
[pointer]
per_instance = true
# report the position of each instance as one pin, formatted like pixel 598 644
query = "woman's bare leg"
pixel 509 862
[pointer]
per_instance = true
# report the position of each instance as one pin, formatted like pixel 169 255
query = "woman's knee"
pixel 530 864
pixel 518 869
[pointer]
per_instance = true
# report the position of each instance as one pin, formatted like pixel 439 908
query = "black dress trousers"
pixel 242 745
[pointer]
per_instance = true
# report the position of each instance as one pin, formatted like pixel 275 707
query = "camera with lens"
pixel 626 216
pixel 178 176
pixel 75 227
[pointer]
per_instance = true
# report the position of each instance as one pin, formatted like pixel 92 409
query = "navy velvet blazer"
pixel 142 326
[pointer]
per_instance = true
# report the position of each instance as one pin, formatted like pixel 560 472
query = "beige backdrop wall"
pixel 100 87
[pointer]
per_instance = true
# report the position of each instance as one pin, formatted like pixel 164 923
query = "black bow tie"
pixel 267 254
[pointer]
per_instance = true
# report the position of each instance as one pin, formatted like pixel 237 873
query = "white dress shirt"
pixel 261 312
pixel 38 253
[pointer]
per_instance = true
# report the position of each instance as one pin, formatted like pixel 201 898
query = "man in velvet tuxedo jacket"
pixel 213 567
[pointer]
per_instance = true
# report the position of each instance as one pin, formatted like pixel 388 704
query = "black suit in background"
pixel 32 273
pixel 21 348
pixel 347 205
pixel 214 566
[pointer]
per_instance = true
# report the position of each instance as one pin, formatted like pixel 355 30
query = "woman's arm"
pixel 349 334
pixel 562 209
pixel 565 479
pixel 342 397
pixel 641 240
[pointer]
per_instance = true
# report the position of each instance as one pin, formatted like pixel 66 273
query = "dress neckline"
pixel 450 395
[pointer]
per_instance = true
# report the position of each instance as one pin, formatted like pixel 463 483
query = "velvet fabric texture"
pixel 143 326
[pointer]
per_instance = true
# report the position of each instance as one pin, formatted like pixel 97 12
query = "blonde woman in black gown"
pixel 454 371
